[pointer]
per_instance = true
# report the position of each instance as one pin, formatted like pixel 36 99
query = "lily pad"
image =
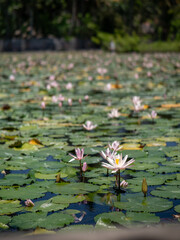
pixel 147 204
pixel 33 220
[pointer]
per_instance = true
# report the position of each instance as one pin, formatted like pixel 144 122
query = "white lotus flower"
pixel 89 125
pixel 115 146
pixel 116 162
pixel 114 113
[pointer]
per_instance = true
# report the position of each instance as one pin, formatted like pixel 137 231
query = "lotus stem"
pixel 80 168
pixel 119 180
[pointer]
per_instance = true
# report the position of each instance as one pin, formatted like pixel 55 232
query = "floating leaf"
pixel 144 204
pixel 33 220
pixel 172 192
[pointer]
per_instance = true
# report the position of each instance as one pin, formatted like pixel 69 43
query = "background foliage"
pixel 127 22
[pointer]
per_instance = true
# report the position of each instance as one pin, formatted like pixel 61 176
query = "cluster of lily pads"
pixel 108 108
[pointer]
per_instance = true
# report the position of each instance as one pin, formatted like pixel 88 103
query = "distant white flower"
pixel 114 113
pixel 12 78
pixel 137 104
pixel 89 125
pixel 54 99
pixel 102 71
pixel 108 87
pixel 153 114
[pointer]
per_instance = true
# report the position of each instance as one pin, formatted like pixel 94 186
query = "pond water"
pixel 46 101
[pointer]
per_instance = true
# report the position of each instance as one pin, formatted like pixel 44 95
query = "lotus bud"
pixel 58 178
pixel 144 187
pixel 84 168
pixel 3 172
pixel 29 203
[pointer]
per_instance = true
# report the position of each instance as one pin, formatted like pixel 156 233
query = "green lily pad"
pixel 172 192
pixel 47 206
pixel 177 208
pixel 33 220
pixel 73 188
pixel 22 193
pixel 9 207
pixel 141 204
pixel 67 199
pixel 142 217
pixel 113 217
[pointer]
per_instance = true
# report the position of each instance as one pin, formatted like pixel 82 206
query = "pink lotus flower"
pixel 54 99
pixel 69 86
pixel 70 66
pixel 60 104
pixel 114 113
pixel 102 71
pixel 54 84
pixel 86 97
pixel 106 154
pixel 116 162
pixel 115 146
pixel 149 74
pixel 84 167
pixel 153 114
pixel 69 101
pixel 89 125
pixel 51 77
pixel 43 105
pixel 79 155
pixel 12 78
pixel 90 78
pixel 61 97
pixel 124 184
pixel 80 101
pixel 29 203
pixel 136 75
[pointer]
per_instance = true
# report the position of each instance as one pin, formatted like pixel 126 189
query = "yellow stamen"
pixel 117 161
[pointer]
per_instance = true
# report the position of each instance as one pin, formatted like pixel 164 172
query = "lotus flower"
pixel 153 114
pixel 137 104
pixel 69 86
pixel 51 77
pixel 106 154
pixel 115 146
pixel 12 78
pixel 102 71
pixel 89 125
pixel 116 162
pixel 114 113
pixel 43 105
pixel 29 203
pixel 124 184
pixel 79 154
pixel 69 101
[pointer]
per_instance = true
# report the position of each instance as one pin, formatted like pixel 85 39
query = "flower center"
pixel 117 161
